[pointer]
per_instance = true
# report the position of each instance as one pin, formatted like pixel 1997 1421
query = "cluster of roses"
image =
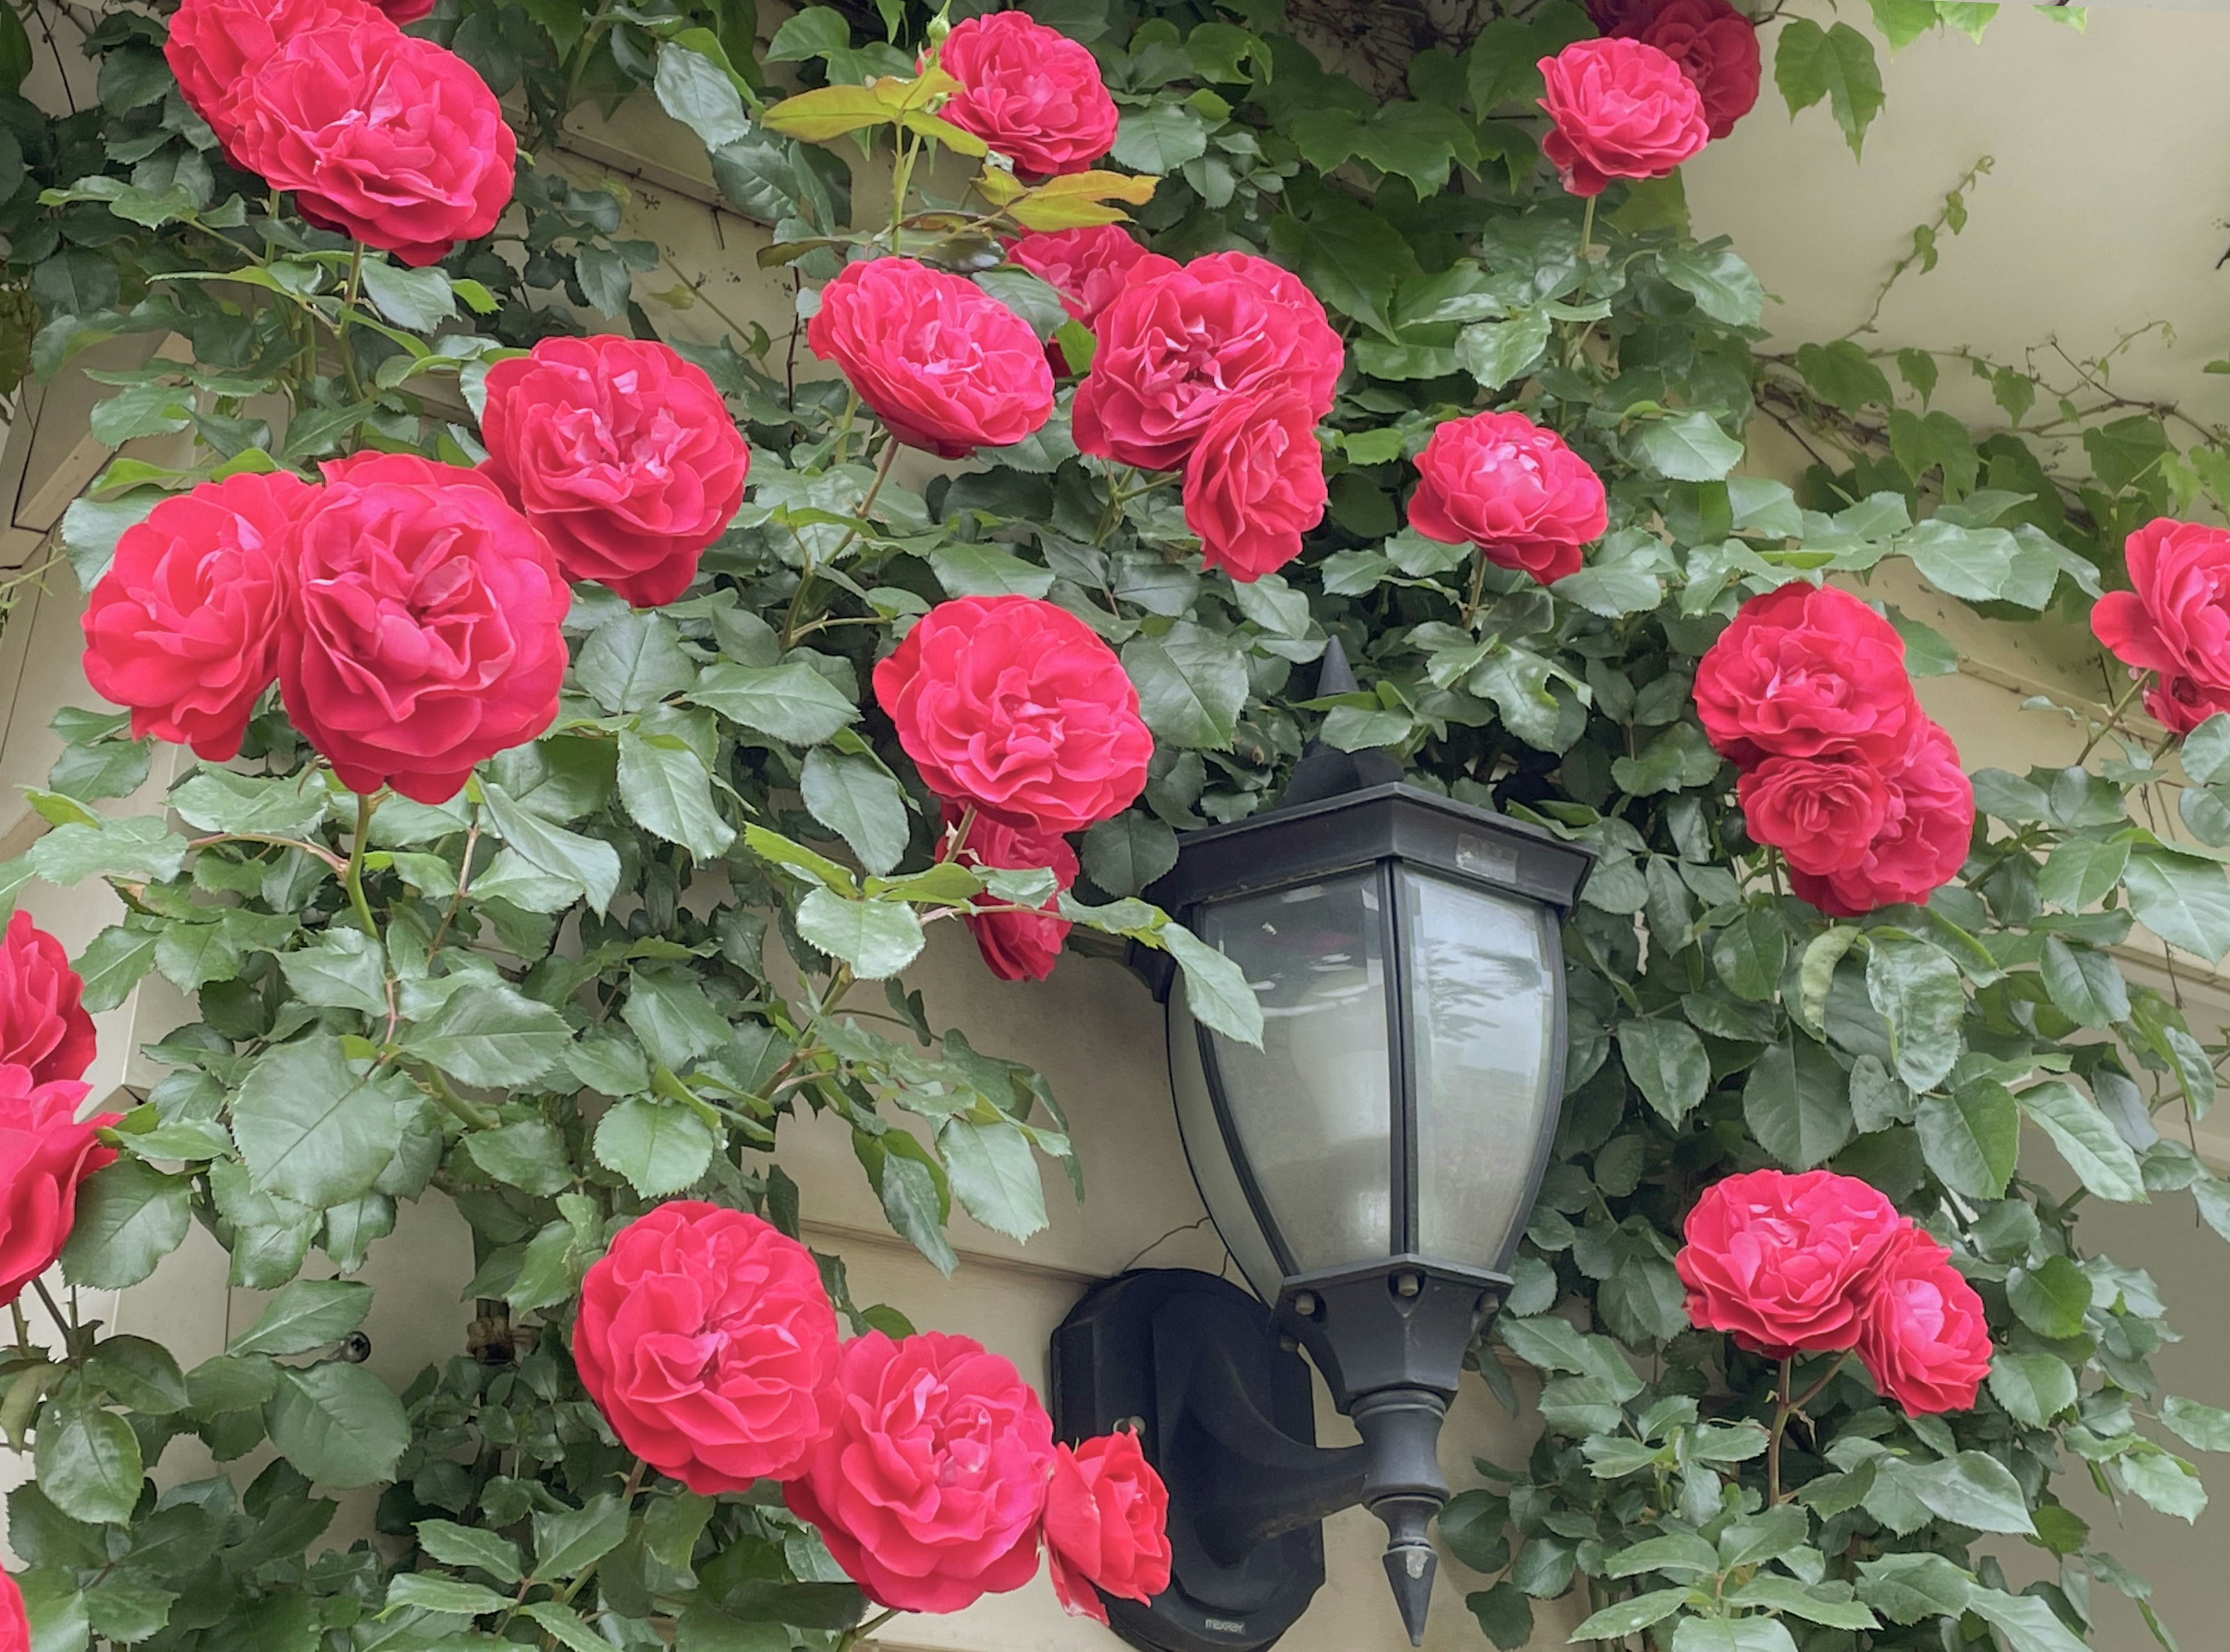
pixel 1842 771
pixel 1025 726
pixel 381 135
pixel 706 1340
pixel 1823 1264
pixel 2175 621
pixel 46 1150
pixel 410 611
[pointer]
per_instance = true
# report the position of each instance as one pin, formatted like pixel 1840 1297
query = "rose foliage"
pixel 591 697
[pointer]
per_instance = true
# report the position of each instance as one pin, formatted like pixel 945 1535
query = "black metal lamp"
pixel 1371 1169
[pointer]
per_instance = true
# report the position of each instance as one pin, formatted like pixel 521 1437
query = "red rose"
pixel 184 625
pixel 1017 946
pixel 706 1340
pixel 1029 92
pixel 217 46
pixel 1087 268
pixel 1106 1524
pixel 15 1624
pixel 1807 671
pixel 1823 813
pixel 1255 483
pixel 426 634
pixel 45 1152
pixel 405 11
pixel 622 454
pixel 381 135
pixel 1784 1263
pixel 1923 837
pixel 1016 706
pixel 2176 620
pixel 930 1490
pixel 1511 488
pixel 2182 704
pixel 43 1024
pixel 1621 109
pixel 940 361
pixel 1714 43
pixel 1173 348
pixel 1924 1338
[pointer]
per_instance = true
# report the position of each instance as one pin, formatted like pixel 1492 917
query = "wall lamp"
pixel 1369 1169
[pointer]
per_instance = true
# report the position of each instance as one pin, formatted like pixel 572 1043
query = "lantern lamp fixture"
pixel 1370 1168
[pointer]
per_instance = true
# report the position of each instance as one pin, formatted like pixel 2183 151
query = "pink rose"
pixel 1621 109
pixel 15 1624
pixel 1783 1262
pixel 1087 268
pixel 380 135
pixel 622 454
pixel 405 11
pixel 184 625
pixel 1017 707
pixel 44 1026
pixel 215 47
pixel 2174 619
pixel 1173 348
pixel 46 1151
pixel 940 361
pixel 930 1490
pixel 1823 813
pixel 705 1338
pixel 426 633
pixel 1106 1525
pixel 1924 1339
pixel 1923 837
pixel 1511 488
pixel 1017 946
pixel 1030 92
pixel 1807 671
pixel 1255 483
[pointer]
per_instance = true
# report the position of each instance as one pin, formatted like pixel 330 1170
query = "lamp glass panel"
pixel 1484 1022
pixel 1311 1108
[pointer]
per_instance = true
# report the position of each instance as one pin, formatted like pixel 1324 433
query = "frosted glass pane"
pixel 1486 1025
pixel 1311 1109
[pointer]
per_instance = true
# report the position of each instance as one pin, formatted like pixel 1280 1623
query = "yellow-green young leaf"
pixel 829 112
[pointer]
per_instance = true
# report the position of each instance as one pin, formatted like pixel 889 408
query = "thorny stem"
pixel 352 873
pixel 853 1636
pixel 456 900
pixel 471 1113
pixel 790 631
pixel 1781 1411
pixel 2113 716
pixel 66 1324
pixel 276 842
pixel 1588 228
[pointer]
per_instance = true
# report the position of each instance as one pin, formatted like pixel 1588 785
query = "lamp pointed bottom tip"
pixel 1410 1569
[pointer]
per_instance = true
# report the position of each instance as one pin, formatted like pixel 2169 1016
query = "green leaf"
pixel 490 1034
pixel 1789 1598
pixel 565 1627
pixel 697 92
pixel 1797 1103
pixel 2082 871
pixel 1908 1588
pixel 306 1314
pixel 1125 854
pixel 1631 1616
pixel 465 1546
pixel 634 661
pixel 1687 447
pixel 592 864
pixel 139 849
pixel 310 1128
pixel 660 1149
pixel 1348 255
pixel 1971 1489
pixel 2051 1298
pixel 1971 1139
pixel 568 1541
pixel 129 1218
pixel 1496 352
pixel 415 300
pixel 1837 64
pixel 673 1017
pixel 1666 1061
pixel 1191 683
pixel 1748 955
pixel 87 1461
pixel 2092 1147
pixel 665 786
pixel 428 1591
pixel 1732 1634
pixel 339 1423
pixel 1841 374
pixel 877 938
pixel 347 969
pixel 2033 1387
pixel 1217 991
pixel 793 702
pixel 994 1175
pixel 1505 1615
pixel 1159 138
pixel 2206 1427
pixel 217 799
pixel 2027 1621
pixel 1975 563
pixel 856 798
pixel 986 570
pixel 1724 288
pixel 2163 1480
pixel 2180 898
pixel 1919 991
pixel 2085 984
